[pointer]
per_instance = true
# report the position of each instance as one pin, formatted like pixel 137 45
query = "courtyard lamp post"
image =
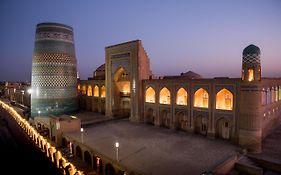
pixel 22 93
pixel 82 135
pixel 39 112
pixel 117 149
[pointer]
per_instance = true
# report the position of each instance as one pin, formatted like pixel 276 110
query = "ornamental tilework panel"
pixel 54 36
pixel 251 59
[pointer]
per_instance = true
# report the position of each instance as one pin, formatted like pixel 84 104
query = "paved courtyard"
pixel 152 150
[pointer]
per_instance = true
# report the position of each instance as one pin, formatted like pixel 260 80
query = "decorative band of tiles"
pixel 53 58
pixel 54 36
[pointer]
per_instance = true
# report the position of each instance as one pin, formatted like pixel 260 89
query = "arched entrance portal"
pixel 222 129
pixel 200 125
pixel 122 93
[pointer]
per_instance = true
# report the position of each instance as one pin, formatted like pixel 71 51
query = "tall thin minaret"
pixel 250 114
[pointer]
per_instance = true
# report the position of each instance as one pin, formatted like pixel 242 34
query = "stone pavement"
pixel 152 150
pixel 88 118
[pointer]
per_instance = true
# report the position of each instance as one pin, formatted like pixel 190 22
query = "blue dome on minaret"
pixel 251 49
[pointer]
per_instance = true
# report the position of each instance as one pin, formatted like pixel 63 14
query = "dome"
pixel 191 75
pixel 101 68
pixel 251 49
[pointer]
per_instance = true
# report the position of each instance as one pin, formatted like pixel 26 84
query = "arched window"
pixel 224 100
pixel 103 92
pixel 268 96
pixel 96 91
pixel 150 95
pixel 181 97
pixel 84 90
pixel 280 93
pixel 90 91
pixel 263 97
pixel 126 88
pixel 272 95
pixel 164 96
pixel 276 94
pixel 250 74
pixel 78 88
pixel 201 98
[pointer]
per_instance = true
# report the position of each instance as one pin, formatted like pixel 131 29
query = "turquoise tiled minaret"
pixel 54 72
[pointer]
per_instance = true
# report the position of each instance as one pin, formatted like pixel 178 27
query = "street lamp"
pixel 29 90
pixel 39 112
pixel 22 93
pixel 82 135
pixel 117 146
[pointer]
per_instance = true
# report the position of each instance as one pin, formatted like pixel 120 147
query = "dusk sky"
pixel 205 36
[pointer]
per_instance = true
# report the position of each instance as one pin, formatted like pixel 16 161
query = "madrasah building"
pixel 243 110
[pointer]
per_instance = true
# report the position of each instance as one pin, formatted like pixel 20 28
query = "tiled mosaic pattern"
pixel 251 59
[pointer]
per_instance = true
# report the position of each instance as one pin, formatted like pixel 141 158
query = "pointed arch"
pixel 181 98
pixel 165 96
pixel 84 90
pixel 96 91
pixel 201 98
pixel 250 74
pixel 224 100
pixel 103 92
pixel 89 91
pixel 150 95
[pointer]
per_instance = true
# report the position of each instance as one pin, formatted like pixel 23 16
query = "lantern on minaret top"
pixel 251 65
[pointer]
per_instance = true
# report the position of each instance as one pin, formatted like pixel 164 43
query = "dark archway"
pixel 164 119
pixel 150 116
pixel 100 166
pixel 109 169
pixel 63 143
pixel 95 164
pixel 179 120
pixel 78 152
pixel 200 125
pixel 87 158
pixel 222 129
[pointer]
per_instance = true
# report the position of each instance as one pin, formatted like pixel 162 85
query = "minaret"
pixel 250 114
pixel 54 72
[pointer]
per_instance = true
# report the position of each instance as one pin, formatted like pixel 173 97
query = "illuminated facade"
pixel 54 73
pixel 242 110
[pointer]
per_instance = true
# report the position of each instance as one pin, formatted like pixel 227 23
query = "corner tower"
pixel 54 72
pixel 250 114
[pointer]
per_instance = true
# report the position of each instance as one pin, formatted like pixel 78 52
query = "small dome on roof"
pixel 101 68
pixel 251 49
pixel 191 75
